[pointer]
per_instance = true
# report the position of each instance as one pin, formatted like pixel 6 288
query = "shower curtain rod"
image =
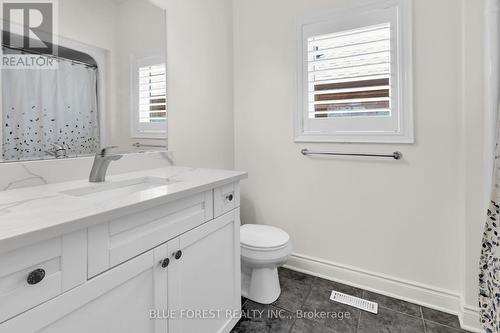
pixel 49 55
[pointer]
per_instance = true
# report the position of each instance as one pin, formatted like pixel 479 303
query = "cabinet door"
pixel 119 300
pixel 205 280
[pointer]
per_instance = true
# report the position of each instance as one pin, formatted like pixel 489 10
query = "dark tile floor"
pixel 304 306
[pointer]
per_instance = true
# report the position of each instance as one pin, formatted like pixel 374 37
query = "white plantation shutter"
pixel 149 95
pixel 355 74
pixel 349 73
pixel 152 94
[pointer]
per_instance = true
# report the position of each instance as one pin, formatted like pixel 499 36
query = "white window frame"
pixel 399 14
pixel 146 130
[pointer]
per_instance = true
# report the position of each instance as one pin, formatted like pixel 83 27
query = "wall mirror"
pixel 91 75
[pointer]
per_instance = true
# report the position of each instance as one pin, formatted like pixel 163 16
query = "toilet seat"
pixel 266 257
pixel 263 237
pixel 264 245
pixel 263 249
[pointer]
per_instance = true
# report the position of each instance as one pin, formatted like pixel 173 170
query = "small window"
pixel 349 73
pixel 355 76
pixel 149 116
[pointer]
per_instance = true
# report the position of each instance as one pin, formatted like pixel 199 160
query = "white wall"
pixel 397 227
pixel 81 21
pixel 199 63
pixel 480 105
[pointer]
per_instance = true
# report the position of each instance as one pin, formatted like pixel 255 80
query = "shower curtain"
pixel 489 277
pixel 42 107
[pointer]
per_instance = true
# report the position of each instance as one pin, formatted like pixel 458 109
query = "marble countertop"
pixel 41 212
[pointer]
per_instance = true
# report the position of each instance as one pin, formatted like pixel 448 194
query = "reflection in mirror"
pixel 102 83
pixel 50 112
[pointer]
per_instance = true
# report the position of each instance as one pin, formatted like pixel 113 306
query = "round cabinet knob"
pixel 36 276
pixel 165 262
pixel 230 197
pixel 178 254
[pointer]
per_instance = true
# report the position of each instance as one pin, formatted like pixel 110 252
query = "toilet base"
pixel 260 285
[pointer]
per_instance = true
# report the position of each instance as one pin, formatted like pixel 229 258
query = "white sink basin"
pixel 129 185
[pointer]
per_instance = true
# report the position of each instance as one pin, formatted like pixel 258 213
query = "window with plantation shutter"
pixel 152 94
pixel 349 73
pixel 355 82
pixel 149 96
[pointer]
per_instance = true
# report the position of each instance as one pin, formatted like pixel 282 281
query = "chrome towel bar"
pixel 139 145
pixel 396 155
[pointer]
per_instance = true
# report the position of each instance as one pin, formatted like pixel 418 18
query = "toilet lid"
pixel 262 236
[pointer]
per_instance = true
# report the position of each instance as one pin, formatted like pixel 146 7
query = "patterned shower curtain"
pixel 489 277
pixel 42 107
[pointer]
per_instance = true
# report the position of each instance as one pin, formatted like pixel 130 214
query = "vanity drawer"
pixel 52 267
pixel 114 242
pixel 226 198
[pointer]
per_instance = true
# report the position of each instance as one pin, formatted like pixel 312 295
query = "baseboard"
pixel 469 319
pixel 429 296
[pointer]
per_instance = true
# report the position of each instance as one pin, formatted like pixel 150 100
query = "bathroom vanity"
pixel 150 251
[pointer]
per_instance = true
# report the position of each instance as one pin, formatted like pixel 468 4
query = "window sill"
pixel 149 136
pixel 352 139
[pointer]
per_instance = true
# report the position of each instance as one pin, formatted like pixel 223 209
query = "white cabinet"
pixel 204 284
pixel 175 260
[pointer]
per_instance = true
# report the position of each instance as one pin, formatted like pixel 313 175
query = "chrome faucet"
pixel 101 164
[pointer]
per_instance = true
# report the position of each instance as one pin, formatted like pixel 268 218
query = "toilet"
pixel 263 249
